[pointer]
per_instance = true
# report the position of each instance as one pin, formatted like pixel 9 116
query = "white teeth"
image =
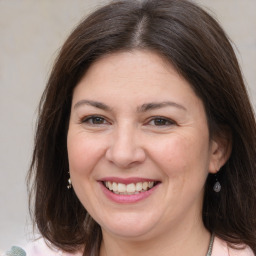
pixel 139 186
pixel 145 185
pixel 129 189
pixel 114 187
pixel 110 186
pixel 151 184
pixel 121 188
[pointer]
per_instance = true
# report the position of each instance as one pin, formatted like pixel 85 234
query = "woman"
pixel 145 142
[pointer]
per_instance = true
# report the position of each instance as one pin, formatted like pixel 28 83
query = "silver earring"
pixel 216 186
pixel 69 186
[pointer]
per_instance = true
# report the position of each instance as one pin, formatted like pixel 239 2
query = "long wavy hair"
pixel 194 43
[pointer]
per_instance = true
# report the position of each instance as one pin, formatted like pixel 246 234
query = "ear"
pixel 220 150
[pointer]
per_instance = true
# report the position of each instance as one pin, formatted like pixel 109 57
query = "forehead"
pixel 133 71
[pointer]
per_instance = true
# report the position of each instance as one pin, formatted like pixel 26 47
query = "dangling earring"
pixel 216 186
pixel 69 186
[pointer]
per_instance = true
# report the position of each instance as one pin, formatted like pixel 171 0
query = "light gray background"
pixel 31 32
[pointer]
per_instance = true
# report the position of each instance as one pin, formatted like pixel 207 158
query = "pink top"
pixel 220 248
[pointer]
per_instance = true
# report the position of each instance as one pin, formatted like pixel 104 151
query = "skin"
pixel 168 143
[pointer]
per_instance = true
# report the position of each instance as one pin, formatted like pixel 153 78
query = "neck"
pixel 193 241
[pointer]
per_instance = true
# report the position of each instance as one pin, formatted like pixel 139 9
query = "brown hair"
pixel 195 44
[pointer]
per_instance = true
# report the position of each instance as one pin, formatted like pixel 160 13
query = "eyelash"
pixel 163 121
pixel 90 120
pixel 157 121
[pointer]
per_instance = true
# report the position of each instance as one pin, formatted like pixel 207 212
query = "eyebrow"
pixel 158 105
pixel 143 108
pixel 95 104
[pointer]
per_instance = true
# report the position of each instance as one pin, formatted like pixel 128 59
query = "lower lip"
pixel 124 199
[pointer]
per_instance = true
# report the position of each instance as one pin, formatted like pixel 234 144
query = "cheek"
pixel 171 152
pixel 83 153
pixel 181 156
pixel 183 161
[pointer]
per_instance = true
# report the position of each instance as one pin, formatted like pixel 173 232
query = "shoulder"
pixel 41 248
pixel 221 248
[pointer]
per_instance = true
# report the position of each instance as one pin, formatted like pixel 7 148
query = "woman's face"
pixel 138 146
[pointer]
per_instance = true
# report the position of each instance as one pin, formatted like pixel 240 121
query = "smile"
pixel 129 189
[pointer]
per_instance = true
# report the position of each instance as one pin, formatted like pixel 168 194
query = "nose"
pixel 125 149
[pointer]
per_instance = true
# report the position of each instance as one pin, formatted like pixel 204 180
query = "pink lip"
pixel 126 180
pixel 125 199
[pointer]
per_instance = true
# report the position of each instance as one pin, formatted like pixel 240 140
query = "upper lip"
pixel 127 180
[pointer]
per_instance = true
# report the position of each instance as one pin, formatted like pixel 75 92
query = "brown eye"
pixel 160 121
pixel 97 120
pixel 94 120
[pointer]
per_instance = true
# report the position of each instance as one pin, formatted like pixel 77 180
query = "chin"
pixel 129 226
pixel 128 233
